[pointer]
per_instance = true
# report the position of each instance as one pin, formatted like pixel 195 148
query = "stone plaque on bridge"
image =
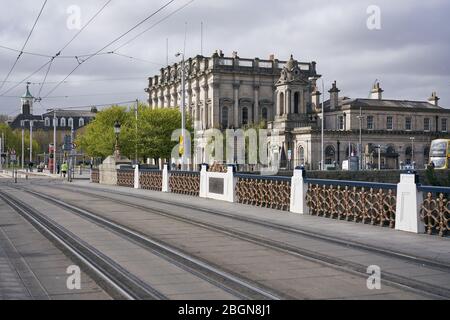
pixel 216 185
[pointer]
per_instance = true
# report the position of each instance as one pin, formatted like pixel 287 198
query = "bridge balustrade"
pixel 151 179
pixel 125 178
pixel 435 210
pixel 264 191
pixel 373 203
pixel 185 182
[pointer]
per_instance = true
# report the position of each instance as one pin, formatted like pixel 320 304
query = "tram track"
pixel 119 283
pixel 278 227
pixel 341 264
pixel 236 285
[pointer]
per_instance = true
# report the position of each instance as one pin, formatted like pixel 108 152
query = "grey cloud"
pixel 409 54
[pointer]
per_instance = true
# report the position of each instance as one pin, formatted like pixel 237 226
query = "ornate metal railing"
pixel 125 178
pixel 185 182
pixel 373 203
pixel 151 179
pixel 95 175
pixel 266 192
pixel 435 210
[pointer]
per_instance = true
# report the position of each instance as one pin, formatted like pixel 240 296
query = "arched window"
pixel 47 122
pixel 390 150
pixel 296 102
pixel 224 117
pixel 264 115
pixel 301 156
pixel 281 104
pixel 330 155
pixel 70 122
pixel 63 122
pixel 81 122
pixel 244 115
pixel 408 151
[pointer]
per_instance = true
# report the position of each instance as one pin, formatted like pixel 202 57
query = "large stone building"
pixel 230 92
pixel 66 122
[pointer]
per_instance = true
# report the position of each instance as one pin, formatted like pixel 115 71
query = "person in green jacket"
pixel 64 169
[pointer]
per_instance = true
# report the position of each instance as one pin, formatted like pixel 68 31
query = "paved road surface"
pixel 283 255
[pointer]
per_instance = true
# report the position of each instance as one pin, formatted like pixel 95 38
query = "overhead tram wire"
pixel 68 43
pixel 109 44
pixel 26 78
pixel 25 52
pixel 24 45
pixel 154 25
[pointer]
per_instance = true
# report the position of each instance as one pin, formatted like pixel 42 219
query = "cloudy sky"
pixel 409 55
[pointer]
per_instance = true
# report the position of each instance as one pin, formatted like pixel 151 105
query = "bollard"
pixel 165 179
pixel 299 187
pixel 409 202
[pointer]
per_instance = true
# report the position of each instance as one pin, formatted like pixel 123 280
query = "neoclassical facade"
pixel 231 92
pixel 222 92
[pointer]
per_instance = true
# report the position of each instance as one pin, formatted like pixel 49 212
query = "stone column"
pixel 205 107
pixel 215 105
pixel 256 105
pixel 197 103
pixel 236 105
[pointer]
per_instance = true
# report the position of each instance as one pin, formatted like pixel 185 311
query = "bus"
pixel 440 154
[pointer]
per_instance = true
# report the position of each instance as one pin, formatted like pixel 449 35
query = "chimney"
pixel 272 57
pixel 334 96
pixel 434 99
pixel 377 92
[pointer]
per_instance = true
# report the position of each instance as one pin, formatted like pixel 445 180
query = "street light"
pixel 182 107
pixel 117 132
pixel 360 117
pixel 412 151
pixel 322 156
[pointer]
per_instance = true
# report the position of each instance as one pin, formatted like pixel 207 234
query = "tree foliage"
pixel 13 140
pixel 152 138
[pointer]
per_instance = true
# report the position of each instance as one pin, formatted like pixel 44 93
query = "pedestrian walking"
pixel 64 169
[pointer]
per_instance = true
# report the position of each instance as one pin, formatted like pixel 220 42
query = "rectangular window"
pixel 444 125
pixel 426 124
pixel 341 123
pixel 408 124
pixel 370 122
pixel 389 123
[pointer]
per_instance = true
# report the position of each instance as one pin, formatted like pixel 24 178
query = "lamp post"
pixel 117 132
pixel 23 144
pixel 322 151
pixel 183 115
pixel 412 151
pixel 360 117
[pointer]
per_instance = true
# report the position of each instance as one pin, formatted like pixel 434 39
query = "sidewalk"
pixel 432 248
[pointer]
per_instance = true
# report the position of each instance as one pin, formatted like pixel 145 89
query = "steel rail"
pixel 234 284
pixel 115 280
pixel 343 265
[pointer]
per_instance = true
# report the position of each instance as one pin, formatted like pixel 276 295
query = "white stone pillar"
pixel 204 181
pixel 165 179
pixel 298 193
pixel 230 185
pixel 137 184
pixel 409 202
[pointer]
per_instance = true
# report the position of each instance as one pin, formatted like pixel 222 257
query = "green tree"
pixel 99 139
pixel 152 138
pixel 13 141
